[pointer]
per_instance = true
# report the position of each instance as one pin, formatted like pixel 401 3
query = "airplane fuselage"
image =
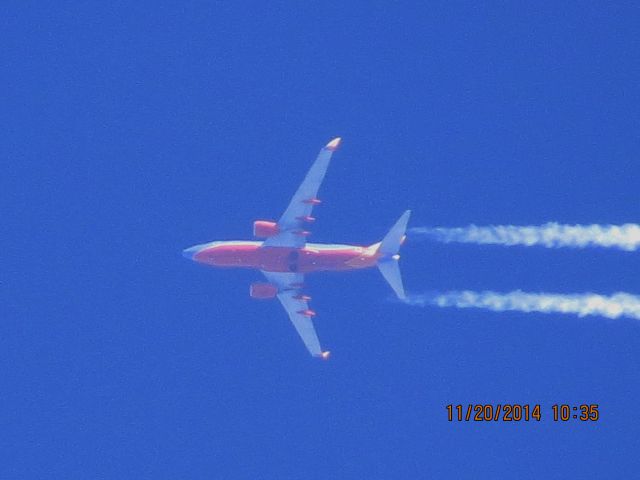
pixel 313 257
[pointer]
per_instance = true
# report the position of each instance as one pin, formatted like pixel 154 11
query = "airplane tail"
pixel 389 247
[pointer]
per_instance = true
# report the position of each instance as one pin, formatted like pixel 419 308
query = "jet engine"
pixel 265 229
pixel 263 291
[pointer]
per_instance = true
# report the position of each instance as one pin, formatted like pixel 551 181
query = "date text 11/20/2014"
pixel 521 412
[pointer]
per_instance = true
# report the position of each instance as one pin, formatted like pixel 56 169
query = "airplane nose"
pixel 190 252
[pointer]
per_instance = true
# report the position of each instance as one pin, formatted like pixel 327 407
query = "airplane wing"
pixel 293 221
pixel 289 286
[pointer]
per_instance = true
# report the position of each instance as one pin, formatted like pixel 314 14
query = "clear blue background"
pixel 131 130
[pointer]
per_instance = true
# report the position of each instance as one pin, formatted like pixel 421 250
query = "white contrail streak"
pixel 617 305
pixel 625 237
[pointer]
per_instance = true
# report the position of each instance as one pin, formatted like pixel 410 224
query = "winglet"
pixel 333 144
pixel 325 355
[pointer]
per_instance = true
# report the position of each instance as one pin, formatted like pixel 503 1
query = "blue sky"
pixel 130 132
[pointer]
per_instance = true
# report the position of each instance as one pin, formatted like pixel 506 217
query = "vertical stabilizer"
pixel 389 247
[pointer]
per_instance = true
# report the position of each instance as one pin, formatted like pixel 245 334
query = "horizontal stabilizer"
pixel 389 247
pixel 390 270
pixel 393 239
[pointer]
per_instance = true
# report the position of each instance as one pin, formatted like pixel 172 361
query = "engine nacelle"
pixel 263 291
pixel 265 229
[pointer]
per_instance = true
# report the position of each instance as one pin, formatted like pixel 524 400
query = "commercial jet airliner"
pixel 284 257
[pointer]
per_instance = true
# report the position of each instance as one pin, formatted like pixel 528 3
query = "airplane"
pixel 284 256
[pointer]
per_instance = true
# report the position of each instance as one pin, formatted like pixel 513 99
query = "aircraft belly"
pixel 312 261
pixel 281 259
pixel 231 256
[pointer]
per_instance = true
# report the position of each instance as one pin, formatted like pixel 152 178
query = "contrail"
pixel 617 305
pixel 625 237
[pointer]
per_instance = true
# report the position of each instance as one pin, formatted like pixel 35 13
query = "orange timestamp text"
pixel 520 412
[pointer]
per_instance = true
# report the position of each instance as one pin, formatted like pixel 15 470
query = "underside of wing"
pixel 301 321
pixel 293 223
pixel 289 293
